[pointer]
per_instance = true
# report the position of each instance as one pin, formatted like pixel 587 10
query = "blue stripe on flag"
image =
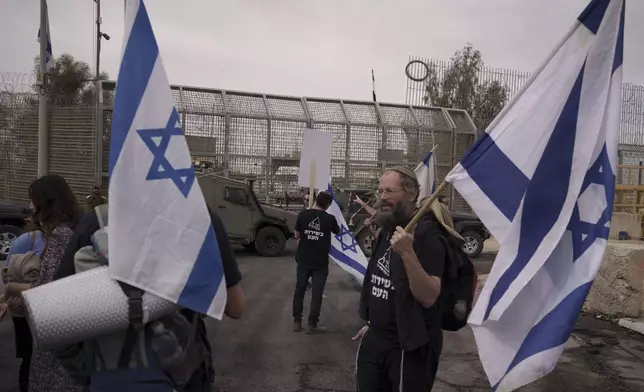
pixel 619 49
pixel 343 258
pixel 205 278
pixel 547 191
pixel 554 329
pixel 140 55
pixel 593 15
pixel 508 184
pixel 427 157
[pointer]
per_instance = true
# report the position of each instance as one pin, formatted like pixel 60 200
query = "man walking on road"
pixel 313 230
pixel 402 341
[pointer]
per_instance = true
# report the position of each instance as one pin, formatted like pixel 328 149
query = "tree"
pixel 458 86
pixel 70 82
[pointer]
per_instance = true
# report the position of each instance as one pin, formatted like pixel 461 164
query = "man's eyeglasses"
pixel 387 192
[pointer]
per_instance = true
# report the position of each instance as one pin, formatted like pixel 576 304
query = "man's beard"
pixel 398 215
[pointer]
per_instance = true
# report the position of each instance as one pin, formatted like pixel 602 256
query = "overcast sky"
pixel 311 48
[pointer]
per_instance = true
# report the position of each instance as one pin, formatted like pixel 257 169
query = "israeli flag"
pixel 161 237
pixel 345 250
pixel 426 173
pixel 542 179
pixel 48 52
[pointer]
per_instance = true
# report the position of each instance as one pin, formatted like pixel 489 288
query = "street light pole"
pixel 98 91
pixel 98 38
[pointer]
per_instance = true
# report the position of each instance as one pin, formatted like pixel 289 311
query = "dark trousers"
pixel 381 366
pixel 318 276
pixel 24 349
pixel 23 374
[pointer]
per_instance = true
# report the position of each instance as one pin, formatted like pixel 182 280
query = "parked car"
pixel 469 226
pixel 12 222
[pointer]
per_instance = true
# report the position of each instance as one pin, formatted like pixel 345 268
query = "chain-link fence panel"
pixel 429 80
pixel 257 136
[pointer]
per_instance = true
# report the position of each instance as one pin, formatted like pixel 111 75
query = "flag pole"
pixel 373 85
pixel 435 165
pixel 426 206
pixel 43 137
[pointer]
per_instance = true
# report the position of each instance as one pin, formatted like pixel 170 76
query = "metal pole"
pixel 43 134
pixel 98 91
pixel 98 38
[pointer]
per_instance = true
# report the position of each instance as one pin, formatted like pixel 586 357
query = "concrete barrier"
pixel 628 222
pixel 618 290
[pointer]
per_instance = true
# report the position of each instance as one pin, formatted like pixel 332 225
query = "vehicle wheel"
pixel 8 234
pixel 473 245
pixel 366 240
pixel 270 241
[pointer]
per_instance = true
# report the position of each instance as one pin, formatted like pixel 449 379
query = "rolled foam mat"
pixel 83 307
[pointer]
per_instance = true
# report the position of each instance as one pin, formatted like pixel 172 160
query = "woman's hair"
pixel 54 203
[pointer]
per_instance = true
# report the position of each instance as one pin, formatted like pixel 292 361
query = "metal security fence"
pixel 424 72
pixel 72 140
pixel 259 136
pixel 239 134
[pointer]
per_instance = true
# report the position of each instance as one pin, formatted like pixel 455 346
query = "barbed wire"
pixel 17 82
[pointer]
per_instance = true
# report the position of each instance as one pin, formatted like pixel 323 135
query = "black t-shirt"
pixel 382 300
pixel 431 253
pixel 89 225
pixel 315 228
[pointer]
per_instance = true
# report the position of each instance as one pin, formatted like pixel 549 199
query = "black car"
pixel 469 226
pixel 12 222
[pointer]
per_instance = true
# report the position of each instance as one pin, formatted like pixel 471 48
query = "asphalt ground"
pixel 261 353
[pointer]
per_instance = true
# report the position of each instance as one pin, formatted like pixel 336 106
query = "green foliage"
pixel 459 86
pixel 70 81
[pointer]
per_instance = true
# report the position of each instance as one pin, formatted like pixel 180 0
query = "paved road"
pixel 260 353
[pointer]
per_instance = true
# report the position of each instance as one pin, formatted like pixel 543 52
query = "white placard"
pixel 315 159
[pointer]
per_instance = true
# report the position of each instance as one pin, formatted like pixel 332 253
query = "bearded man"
pixel 401 344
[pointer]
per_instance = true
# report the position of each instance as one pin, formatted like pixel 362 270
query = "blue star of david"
pixel 157 140
pixel 584 234
pixel 346 233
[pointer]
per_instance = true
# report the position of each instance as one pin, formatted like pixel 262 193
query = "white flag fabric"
pixel 426 173
pixel 345 250
pixel 542 179
pixel 161 237
pixel 48 52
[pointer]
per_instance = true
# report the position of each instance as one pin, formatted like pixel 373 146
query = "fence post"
pixel 269 161
pixel 100 132
pixel 347 145
pixel 224 99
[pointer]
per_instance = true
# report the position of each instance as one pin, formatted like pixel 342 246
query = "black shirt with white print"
pixel 382 300
pixel 382 309
pixel 315 228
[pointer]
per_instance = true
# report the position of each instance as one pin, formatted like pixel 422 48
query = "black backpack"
pixel 458 288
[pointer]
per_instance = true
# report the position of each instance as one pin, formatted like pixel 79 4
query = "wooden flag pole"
pixel 426 206
pixel 312 185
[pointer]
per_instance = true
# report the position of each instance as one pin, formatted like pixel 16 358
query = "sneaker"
pixel 315 329
pixel 297 326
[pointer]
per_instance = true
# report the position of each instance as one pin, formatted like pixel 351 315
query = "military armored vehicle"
pixel 248 222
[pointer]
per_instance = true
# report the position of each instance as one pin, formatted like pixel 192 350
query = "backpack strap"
pixel 135 314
